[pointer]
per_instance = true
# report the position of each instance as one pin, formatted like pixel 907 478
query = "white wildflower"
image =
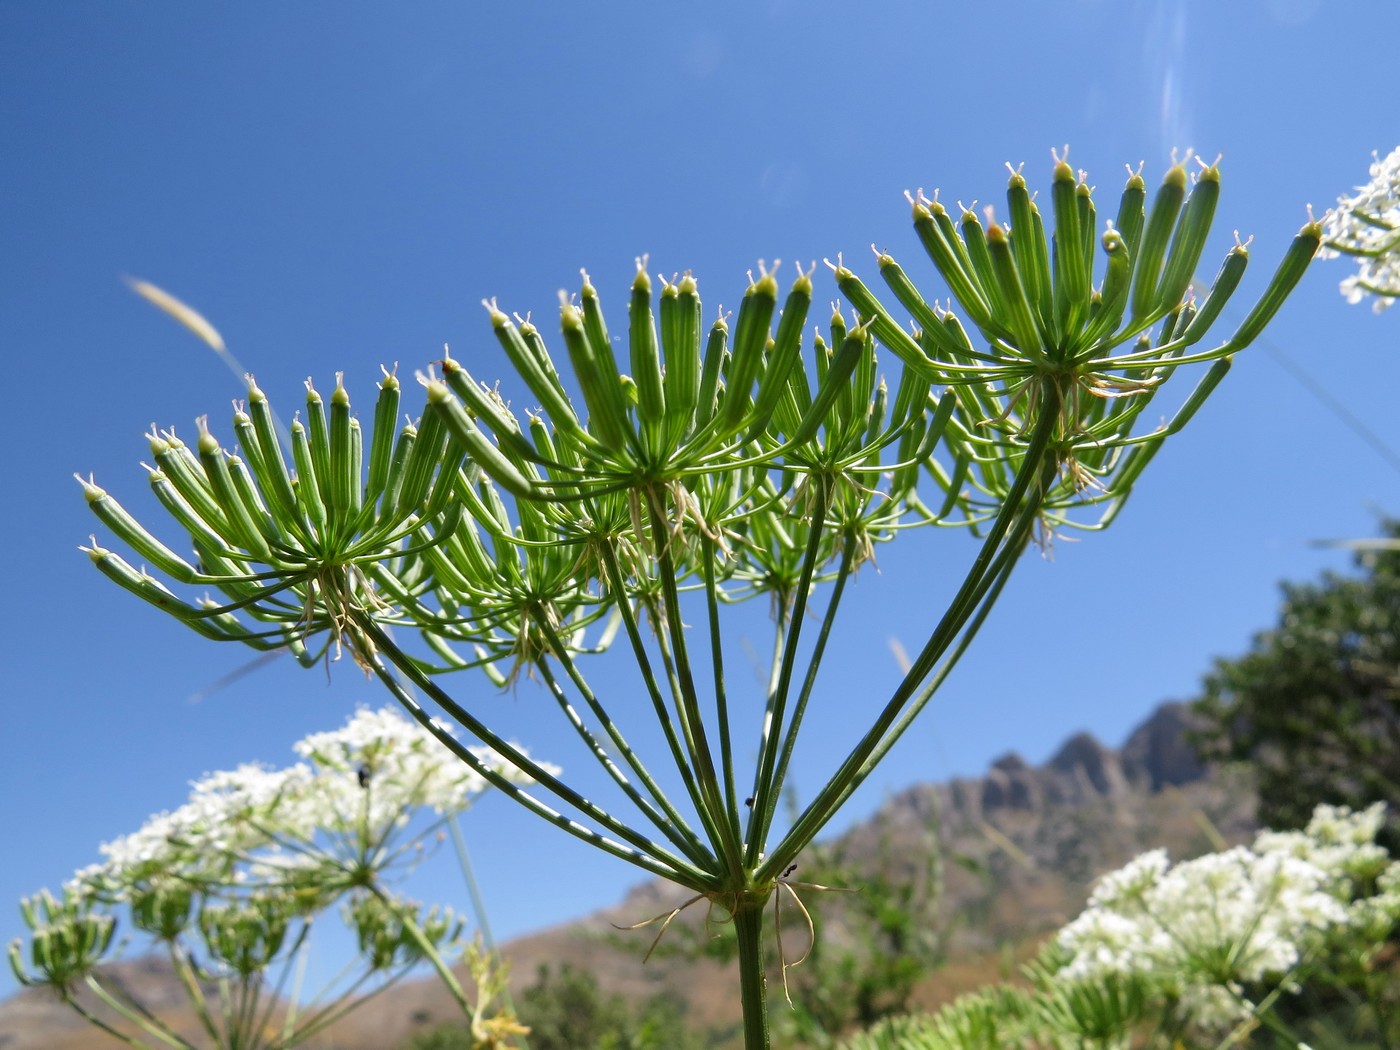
pixel 1367 227
pixel 1221 923
pixel 355 788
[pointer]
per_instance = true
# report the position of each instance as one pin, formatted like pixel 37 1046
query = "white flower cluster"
pixel 1214 926
pixel 354 788
pixel 1367 226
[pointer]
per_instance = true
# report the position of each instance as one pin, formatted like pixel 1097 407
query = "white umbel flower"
pixel 353 790
pixel 1367 227
pixel 1245 917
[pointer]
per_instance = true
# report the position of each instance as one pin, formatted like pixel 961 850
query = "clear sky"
pixel 338 185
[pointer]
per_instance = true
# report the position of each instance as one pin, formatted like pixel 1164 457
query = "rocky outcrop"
pixel 1028 841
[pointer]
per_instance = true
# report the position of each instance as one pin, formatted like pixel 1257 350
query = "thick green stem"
pixel 753 979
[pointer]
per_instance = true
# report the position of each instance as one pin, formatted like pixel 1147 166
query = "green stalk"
pixel 687 839
pixel 97 1022
pixel 712 811
pixel 813 665
pixel 790 847
pixel 753 979
pixel 726 738
pixel 974 587
pixel 668 823
pixel 346 1002
pixel 643 852
pixel 639 651
pixel 296 957
pixel 190 979
pixel 426 946
pixel 459 844
pixel 765 796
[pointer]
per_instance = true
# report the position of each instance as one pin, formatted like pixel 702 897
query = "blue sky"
pixel 338 186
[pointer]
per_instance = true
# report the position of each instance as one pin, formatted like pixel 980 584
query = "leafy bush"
pixel 1283 939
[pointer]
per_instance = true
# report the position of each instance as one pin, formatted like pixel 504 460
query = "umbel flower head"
pixel 1366 227
pixel 1218 926
pixel 348 799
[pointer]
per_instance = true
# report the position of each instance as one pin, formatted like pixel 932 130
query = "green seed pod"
pixel 645 354
pixel 270 467
pixel 246 492
pixel 903 288
pixel 786 353
pixel 244 531
pixel 1015 301
pixel 468 552
pixel 900 342
pixel 343 479
pixel 602 387
pixel 527 354
pixel 1072 274
pixel 833 385
pixel 680 340
pixel 975 239
pixel 393 482
pixel 1224 285
pixel 629 391
pixel 1131 213
pixel 875 421
pixel 488 407
pixel 319 443
pixel 262 478
pixel 941 242
pixel 1154 243
pixel 1190 239
pixel 786 411
pixel 746 359
pixel 200 532
pixel 951 484
pixel 853 401
pixel 381 442
pixel 185 473
pixel 1113 299
pixel 1203 390
pixel 1088 223
pixel 446 480
pixel 448 412
pixel 909 396
pixel 837 326
pixel 147 588
pixel 1286 277
pixel 716 358
pixel 799 393
pixel 307 488
pixel 427 451
pixel 1032 256
pixel 130 531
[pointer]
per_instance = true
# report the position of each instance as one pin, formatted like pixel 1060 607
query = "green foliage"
pixel 1315 704
pixel 565 1010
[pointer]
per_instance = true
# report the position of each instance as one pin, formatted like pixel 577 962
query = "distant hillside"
pixel 1022 845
